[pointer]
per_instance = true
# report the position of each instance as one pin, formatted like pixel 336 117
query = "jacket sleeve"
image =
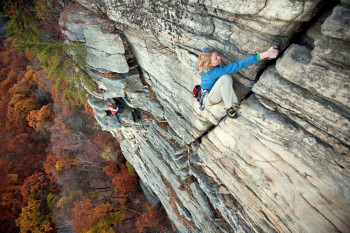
pixel 112 108
pixel 234 67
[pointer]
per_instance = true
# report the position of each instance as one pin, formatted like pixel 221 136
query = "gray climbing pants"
pixel 222 91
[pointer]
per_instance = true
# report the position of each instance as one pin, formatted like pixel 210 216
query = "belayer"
pixel 114 110
pixel 216 83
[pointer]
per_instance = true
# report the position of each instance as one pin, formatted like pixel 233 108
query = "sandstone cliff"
pixel 283 165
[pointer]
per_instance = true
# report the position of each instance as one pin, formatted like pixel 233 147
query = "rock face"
pixel 283 164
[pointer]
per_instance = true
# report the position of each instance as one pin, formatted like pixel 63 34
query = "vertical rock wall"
pixel 283 165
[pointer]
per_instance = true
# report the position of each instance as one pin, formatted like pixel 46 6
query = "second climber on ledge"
pixel 114 110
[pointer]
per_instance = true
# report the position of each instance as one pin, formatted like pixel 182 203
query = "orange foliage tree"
pixel 36 187
pixel 105 138
pixel 37 118
pixel 31 76
pixel 85 215
pixel 30 164
pixel 11 79
pixel 123 181
pixel 110 169
pixel 24 144
pixel 10 201
pixel 19 62
pixel 19 107
pixel 151 218
pixel 21 147
pixel 49 167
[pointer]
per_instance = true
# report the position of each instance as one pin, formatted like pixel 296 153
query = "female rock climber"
pixel 216 84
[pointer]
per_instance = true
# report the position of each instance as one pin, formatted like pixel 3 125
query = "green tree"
pixel 33 34
pixel 4 6
pixel 104 224
pixel 32 220
pixel 130 168
pixel 51 202
pixel 87 218
pixel 109 154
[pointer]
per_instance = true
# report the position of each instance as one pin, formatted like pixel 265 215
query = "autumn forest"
pixel 58 170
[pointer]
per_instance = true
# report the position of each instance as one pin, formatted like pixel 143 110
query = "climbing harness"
pixel 200 93
pixel 203 94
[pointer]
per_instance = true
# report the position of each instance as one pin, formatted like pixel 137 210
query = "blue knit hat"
pixel 206 49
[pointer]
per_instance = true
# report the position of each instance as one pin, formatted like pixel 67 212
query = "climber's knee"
pixel 226 78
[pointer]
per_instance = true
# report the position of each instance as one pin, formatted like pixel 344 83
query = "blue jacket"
pixel 208 79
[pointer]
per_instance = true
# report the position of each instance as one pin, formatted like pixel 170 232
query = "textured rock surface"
pixel 283 165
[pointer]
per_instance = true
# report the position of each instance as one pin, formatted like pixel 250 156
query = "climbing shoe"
pixel 231 112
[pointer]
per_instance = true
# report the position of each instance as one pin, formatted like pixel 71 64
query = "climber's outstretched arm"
pixel 270 53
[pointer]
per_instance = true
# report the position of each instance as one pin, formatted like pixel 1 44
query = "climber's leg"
pixel 222 90
pixel 117 116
